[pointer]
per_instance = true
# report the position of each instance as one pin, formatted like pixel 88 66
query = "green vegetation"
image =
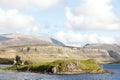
pixel 16 67
pixel 6 61
pixel 60 67
pixel 90 65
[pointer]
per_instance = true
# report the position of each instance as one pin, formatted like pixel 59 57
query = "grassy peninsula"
pixel 61 67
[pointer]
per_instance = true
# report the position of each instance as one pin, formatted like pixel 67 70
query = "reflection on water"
pixel 13 75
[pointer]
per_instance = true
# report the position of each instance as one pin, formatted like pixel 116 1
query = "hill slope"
pixel 20 39
pixel 50 53
pixel 113 49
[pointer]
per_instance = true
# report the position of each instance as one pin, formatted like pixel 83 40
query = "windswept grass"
pixel 59 66
pixel 90 65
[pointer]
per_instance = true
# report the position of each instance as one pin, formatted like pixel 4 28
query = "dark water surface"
pixel 13 75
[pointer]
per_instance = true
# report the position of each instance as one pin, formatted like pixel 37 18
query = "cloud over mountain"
pixel 94 15
pixel 78 39
pixel 32 16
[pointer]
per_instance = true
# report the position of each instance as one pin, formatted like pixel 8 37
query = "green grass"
pixel 90 65
pixel 60 65
pixel 16 67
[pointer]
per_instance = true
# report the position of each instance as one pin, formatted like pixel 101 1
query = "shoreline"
pixel 65 73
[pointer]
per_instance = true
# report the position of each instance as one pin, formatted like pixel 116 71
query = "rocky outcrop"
pixel 68 67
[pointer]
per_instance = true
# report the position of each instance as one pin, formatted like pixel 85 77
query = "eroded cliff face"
pixel 113 49
pixel 51 53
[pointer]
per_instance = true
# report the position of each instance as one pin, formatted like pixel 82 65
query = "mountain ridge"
pixel 21 39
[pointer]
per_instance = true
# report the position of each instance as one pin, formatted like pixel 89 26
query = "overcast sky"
pixel 73 22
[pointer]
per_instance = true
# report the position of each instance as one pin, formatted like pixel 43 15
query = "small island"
pixel 61 67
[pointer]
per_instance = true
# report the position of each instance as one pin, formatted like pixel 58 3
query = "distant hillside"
pixel 51 53
pixel 113 49
pixel 20 39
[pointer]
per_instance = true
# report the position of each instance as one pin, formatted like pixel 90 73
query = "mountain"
pixel 21 39
pixel 44 49
pixel 113 49
pixel 51 53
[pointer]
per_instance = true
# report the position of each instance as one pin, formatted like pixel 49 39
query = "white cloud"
pixel 13 21
pixel 78 39
pixel 30 4
pixel 93 14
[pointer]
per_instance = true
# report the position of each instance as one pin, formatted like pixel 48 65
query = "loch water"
pixel 14 75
